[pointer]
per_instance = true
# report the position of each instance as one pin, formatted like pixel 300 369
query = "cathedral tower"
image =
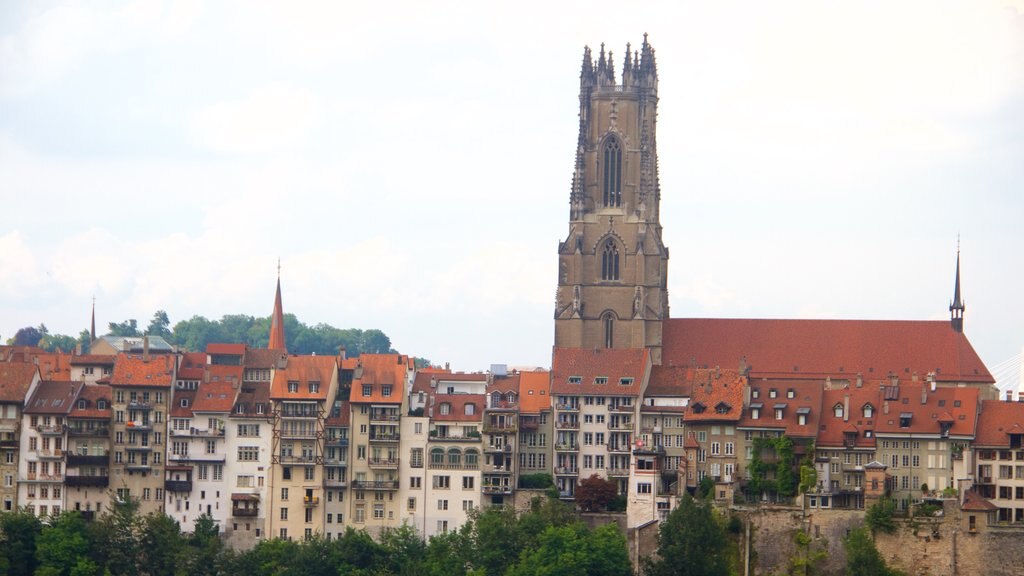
pixel 612 266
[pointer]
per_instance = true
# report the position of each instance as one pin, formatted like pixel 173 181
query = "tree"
pixel 27 336
pixel 127 328
pixel 595 493
pixel 161 545
pixel 158 326
pixel 85 341
pixel 55 342
pixel 879 516
pixel 691 542
pixel 115 537
pixel 572 550
pixel 18 533
pixel 205 549
pixel 862 557
pixel 706 488
pixel 62 548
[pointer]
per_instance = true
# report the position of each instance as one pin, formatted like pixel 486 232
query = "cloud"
pixel 275 118
pixel 18 273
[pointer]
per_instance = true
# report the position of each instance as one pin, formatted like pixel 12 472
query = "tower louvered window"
pixel 612 181
pixel 610 261
pixel 609 324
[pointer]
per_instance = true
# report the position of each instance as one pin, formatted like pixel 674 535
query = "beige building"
pixel 87 461
pixel 17 382
pixel 141 389
pixel 998 459
pixel 300 395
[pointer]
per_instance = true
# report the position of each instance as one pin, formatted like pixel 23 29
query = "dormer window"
pixel 944 428
pixel 779 410
pixel 869 410
pixel 838 410
pixel 260 409
pixel 755 393
pixel 601 380
pixel 698 408
pixel 801 416
pixel 445 408
pixel 314 387
pixel 772 393
pixel 905 418
pixel 626 381
pixel 101 404
pixel 385 390
pixel 293 387
pixel 470 409
pixel 790 393
pixel 81 404
pixel 722 408
pixel 184 402
pixel 575 379
pixel 755 413
pixel 367 390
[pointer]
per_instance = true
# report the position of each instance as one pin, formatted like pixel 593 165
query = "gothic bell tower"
pixel 612 266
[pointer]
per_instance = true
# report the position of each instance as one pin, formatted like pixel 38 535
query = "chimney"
pixel 145 348
pixel 1009 395
pixel 924 394
pixel 860 380
pixel 846 407
pixel 885 407
pixel 913 377
pixel 931 381
pixel 743 366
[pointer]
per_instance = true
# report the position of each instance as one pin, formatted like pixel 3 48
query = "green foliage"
pixel 129 327
pixel 537 481
pixel 706 488
pixel 691 542
pixel 927 510
pixel 774 477
pixel 63 545
pixel 28 336
pixel 879 516
pixel 595 493
pixel 808 473
pixel 19 532
pixel 618 504
pixel 863 558
pixel 574 551
pixel 159 325
pixel 809 554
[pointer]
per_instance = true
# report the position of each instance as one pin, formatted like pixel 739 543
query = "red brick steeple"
pixel 277 341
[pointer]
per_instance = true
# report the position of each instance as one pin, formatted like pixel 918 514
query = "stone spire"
pixel 277 341
pixel 957 307
pixel 92 329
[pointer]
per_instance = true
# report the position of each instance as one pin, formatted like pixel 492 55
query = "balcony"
pixel 618 472
pixel 138 448
pixel 335 462
pixel 335 483
pixel 87 481
pixel 140 405
pixel 388 463
pixel 621 408
pixel 375 484
pixel 89 432
pixel 528 424
pixel 506 449
pixel 138 426
pixel 199 433
pixel 446 466
pixel 567 447
pixel 8 443
pixel 649 450
pixel 567 425
pixel 300 460
pixel 310 501
pixel 178 485
pixel 500 428
pixel 55 454
pixel 245 512
pixel 613 425
pixel 34 477
pixel 567 471
pixel 57 430
pixel 567 407
pixel 385 438
pixel 503 470
pixel 618 448
pixel 342 442
pixel 79 460
pixel 298 434
pixel 383 418
pixel 453 438
pixel 492 489
pixel 137 467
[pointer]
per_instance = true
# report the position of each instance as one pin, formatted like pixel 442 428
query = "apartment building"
pixel 712 418
pixel 596 396
pixel 379 386
pixel 662 437
pixel 248 439
pixel 18 381
pixel 301 395
pixel 91 368
pixel 998 458
pixel 536 425
pixel 87 458
pixel 919 427
pixel 44 435
pixel 141 388
pixel 845 444
pixel 336 456
pixel 500 424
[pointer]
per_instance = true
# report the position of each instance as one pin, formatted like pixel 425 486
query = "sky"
pixel 410 163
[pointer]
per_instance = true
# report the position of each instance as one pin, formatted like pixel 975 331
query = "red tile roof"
pixel 422 381
pixel 263 358
pixel 92 394
pixel 806 400
pixel 379 370
pixel 508 383
pixel 55 366
pixel 669 381
pixel 997 421
pixel 961 403
pixel 225 349
pixel 614 364
pixel 816 348
pixel 15 380
pixel 191 366
pixel 719 393
pixel 343 418
pixel 132 370
pixel 217 396
pixel 92 360
pixel 974 502
pixel 534 392
pixel 251 395
pixel 305 369
pixel 179 411
pixel 458 403
pixel 831 432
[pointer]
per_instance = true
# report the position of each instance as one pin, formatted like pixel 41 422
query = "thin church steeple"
pixel 92 329
pixel 957 307
pixel 277 341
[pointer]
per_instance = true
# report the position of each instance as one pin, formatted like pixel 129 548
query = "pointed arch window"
pixel 611 184
pixel 608 322
pixel 610 261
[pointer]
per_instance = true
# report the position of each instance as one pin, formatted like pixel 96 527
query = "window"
pixel 367 390
pixel 385 390
pixel 293 387
pixel 415 481
pixel 611 183
pixel 442 504
pixel 868 410
pixel 467 482
pixel 608 320
pixel 610 260
pixel 790 393
pixel 575 379
pixel 445 408
pixel 755 413
pixel 625 381
pixel 470 409
pixel 778 413
pixel 838 410
pixel 411 504
pixel 442 482
pixel 314 387
pixel 772 393
pixel 601 380
pixel 247 453
pixel 284 513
